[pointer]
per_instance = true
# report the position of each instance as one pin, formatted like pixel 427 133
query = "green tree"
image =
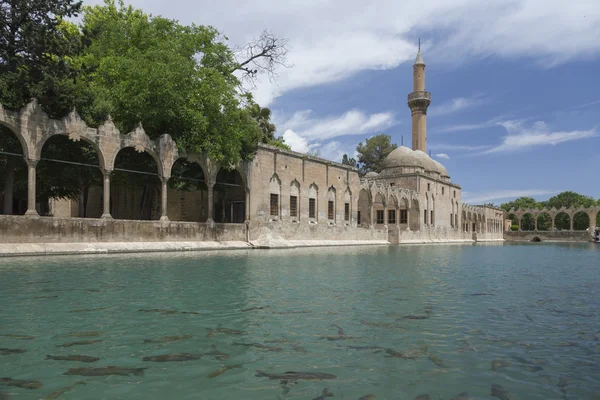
pixel 35 48
pixel 349 161
pixel 373 152
pixel 263 117
pixel 571 199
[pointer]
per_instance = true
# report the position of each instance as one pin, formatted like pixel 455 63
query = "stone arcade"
pixel 279 196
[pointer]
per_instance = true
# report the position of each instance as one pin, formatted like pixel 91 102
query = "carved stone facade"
pixel 591 212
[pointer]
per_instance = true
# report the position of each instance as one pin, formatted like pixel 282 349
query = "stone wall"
pixel 430 235
pixel 307 231
pixel 548 236
pixel 20 229
pixel 286 173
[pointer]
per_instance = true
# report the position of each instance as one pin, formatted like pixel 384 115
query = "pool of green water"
pixel 395 322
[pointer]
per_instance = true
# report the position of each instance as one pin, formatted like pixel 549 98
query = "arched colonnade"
pixel 33 128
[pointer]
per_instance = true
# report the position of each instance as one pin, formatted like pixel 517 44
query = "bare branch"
pixel 262 56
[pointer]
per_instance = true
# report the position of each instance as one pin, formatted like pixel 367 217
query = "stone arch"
pixel 230 196
pixel 414 215
pixel 274 198
pixel 536 239
pixel 13 193
pixel 313 202
pixel 295 200
pixel 331 204
pixel 544 221
pixel 187 184
pixel 17 133
pixel 562 221
pixel 135 185
pixel 75 137
pixel 363 214
pixel 348 205
pixel 379 206
pixel 581 221
pixel 71 184
pixel 527 222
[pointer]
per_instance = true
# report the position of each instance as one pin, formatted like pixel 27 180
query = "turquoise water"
pixel 533 307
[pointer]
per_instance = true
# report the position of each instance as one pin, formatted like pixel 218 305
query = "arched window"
pixel 313 191
pixel 274 197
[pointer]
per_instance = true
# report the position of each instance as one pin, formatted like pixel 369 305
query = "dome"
pixel 441 169
pixel 403 157
pixel 371 174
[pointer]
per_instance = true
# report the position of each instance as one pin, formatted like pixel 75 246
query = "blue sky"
pixel 515 84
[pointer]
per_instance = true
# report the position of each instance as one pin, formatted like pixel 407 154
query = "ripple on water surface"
pixel 396 322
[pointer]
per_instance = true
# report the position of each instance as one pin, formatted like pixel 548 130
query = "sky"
pixel 515 85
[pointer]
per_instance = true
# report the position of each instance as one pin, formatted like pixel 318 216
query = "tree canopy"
pixel 182 80
pixel 372 153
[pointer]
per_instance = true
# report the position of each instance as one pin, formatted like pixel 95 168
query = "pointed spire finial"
pixel 419 44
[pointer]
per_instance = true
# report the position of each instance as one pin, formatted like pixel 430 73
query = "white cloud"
pixel 503 195
pixel 442 155
pixel 331 40
pixel 539 134
pixel 457 104
pixel 296 142
pixel 353 122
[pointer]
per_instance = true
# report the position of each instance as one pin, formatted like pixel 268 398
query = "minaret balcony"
pixel 419 96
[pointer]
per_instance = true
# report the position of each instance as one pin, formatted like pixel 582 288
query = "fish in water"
pixel 296 376
pixel 437 361
pixel 22 337
pixel 218 355
pixel 299 349
pixel 415 317
pixel 173 357
pixel 563 383
pixel 80 343
pixel 227 331
pixel 59 392
pixel 222 370
pixel 254 308
pixel 497 364
pixel 340 337
pixel 84 334
pixel 81 358
pixel 36 282
pixel 166 339
pixel 340 330
pixel 364 347
pixel 292 312
pixel 94 290
pixel 104 371
pixel 90 309
pixel 5 351
pixel 163 311
pixel 501 393
pixel 482 294
pixel 326 393
pixel 495 311
pixel 410 354
pixel 529 318
pixel 428 310
pixel 43 297
pixel 382 325
pixel 423 397
pixel 22 383
pixel 259 346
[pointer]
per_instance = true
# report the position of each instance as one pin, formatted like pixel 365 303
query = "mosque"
pixel 279 195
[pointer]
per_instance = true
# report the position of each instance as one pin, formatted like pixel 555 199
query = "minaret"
pixel 418 101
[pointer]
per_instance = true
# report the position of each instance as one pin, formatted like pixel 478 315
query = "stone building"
pixel 278 195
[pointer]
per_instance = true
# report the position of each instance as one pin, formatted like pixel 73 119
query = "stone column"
pixel 163 199
pixel 408 219
pixel 211 205
pixel 371 209
pixel 551 217
pixel 385 216
pixel 536 228
pixel 398 218
pixel 572 218
pixel 31 164
pixel 247 206
pixel 520 224
pixel 106 195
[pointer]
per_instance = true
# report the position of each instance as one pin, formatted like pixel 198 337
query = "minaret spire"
pixel 418 101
